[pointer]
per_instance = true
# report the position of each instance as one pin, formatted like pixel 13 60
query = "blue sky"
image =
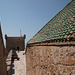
pixel 28 15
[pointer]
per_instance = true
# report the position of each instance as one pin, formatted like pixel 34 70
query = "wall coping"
pixel 53 44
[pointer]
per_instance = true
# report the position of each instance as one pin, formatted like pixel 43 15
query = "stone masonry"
pixel 3 69
pixel 50 60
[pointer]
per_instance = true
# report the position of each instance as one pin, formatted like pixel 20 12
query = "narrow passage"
pixel 19 66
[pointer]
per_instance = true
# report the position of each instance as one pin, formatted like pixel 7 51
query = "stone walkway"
pixel 19 66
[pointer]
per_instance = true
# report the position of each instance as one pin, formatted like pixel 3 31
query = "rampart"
pixel 51 59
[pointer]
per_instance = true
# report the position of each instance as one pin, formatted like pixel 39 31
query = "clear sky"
pixel 28 15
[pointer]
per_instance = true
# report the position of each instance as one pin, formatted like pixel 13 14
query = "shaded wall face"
pixel 50 60
pixel 2 57
pixel 15 43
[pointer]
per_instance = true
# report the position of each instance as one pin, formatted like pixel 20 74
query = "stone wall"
pixel 14 42
pixel 2 56
pixel 50 60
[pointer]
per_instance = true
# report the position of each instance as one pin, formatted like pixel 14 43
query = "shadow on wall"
pixel 3 69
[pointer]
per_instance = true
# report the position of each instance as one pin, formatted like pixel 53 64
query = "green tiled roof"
pixel 62 26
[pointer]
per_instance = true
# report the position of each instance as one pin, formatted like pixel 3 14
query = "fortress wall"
pixel 15 42
pixel 50 60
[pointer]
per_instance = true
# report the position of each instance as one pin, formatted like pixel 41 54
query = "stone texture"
pixel 50 60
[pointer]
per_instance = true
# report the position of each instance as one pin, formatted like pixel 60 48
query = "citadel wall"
pixel 17 43
pixel 49 59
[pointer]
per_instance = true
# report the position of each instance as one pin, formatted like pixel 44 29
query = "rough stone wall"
pixel 14 42
pixel 50 60
pixel 2 56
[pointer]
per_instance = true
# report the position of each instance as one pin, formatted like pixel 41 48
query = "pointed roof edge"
pixel 49 21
